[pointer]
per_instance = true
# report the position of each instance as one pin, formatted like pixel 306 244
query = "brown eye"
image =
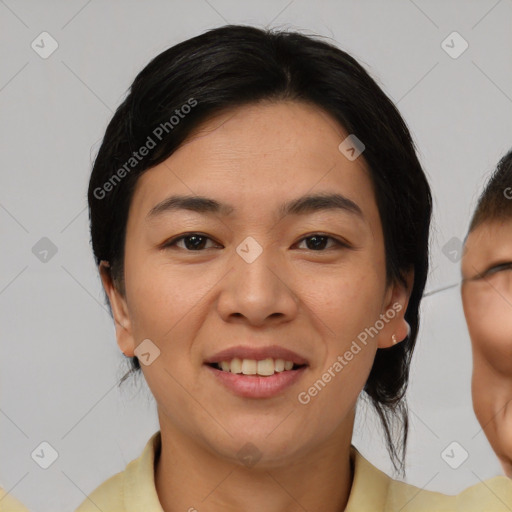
pixel 318 242
pixel 191 242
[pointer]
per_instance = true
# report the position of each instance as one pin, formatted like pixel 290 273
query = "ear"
pixel 396 329
pixel 119 308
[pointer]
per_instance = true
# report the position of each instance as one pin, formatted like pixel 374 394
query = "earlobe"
pixel 396 329
pixel 119 309
pixel 394 338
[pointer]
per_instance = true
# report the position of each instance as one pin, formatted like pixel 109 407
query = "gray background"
pixel 60 363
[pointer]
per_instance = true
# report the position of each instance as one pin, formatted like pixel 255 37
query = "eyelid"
pixel 340 242
pixel 499 266
pixel 171 242
pixel 495 268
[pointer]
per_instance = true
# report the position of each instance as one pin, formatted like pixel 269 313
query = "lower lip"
pixel 254 386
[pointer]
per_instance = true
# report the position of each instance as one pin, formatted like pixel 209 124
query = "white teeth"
pixel 279 365
pixel 249 367
pixel 265 367
pixel 235 366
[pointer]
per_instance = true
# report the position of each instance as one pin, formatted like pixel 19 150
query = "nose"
pixel 258 292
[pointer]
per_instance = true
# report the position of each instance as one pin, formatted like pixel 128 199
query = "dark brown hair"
pixel 237 65
pixel 495 202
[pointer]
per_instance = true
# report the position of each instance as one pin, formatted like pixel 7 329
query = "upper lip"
pixel 257 353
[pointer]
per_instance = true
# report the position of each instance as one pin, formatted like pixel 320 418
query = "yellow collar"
pixel 372 490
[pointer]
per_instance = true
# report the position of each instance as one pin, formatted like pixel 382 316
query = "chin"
pixel 258 449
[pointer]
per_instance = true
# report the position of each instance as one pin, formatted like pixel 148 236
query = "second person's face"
pixel 487 301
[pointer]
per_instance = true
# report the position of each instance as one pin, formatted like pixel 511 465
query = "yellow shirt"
pixel 133 490
pixel 9 503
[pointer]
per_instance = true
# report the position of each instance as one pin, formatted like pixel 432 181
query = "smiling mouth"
pixel 252 367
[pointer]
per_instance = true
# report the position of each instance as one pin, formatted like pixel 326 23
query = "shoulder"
pixel 494 494
pixel 9 503
pixel 107 496
pixel 374 490
pixel 130 490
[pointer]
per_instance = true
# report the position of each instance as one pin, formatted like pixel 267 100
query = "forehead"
pixel 260 154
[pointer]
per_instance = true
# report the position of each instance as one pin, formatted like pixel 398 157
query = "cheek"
pixel 165 307
pixel 346 310
pixel 489 319
pixel 161 296
pixel 353 302
pixel 498 426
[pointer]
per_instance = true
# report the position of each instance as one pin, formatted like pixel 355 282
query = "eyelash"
pixel 174 241
pixel 496 268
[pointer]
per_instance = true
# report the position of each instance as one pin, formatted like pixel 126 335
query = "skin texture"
pixel 192 304
pixel 487 300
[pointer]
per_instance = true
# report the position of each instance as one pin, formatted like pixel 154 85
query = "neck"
pixel 188 476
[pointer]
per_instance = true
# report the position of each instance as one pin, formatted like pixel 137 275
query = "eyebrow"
pixel 301 206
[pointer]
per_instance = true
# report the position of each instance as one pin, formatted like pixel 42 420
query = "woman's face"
pixel 487 301
pixel 267 274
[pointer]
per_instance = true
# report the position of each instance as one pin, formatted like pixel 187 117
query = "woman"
pixel 487 299
pixel 260 222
